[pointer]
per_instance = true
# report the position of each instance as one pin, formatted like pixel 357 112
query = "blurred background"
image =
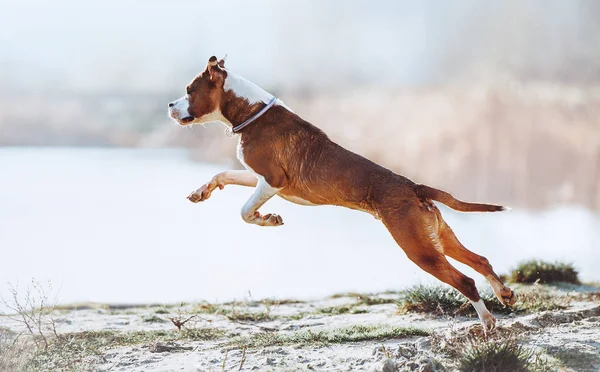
pixel 495 102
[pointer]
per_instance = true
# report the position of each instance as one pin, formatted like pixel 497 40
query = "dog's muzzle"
pixel 178 111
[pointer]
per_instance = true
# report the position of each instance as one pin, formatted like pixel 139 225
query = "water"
pixel 113 225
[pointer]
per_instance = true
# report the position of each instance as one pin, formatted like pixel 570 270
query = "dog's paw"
pixel 266 220
pixel 489 322
pixel 508 297
pixel 203 193
pixel 273 219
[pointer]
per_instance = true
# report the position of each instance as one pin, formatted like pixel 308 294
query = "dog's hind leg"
pixel 415 231
pixel 454 249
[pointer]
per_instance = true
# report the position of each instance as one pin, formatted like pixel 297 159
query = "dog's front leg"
pixel 250 213
pixel 231 177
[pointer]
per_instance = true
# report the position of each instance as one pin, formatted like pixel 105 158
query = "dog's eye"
pixel 189 90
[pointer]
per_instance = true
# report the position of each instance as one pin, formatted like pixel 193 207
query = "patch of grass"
pixel 115 338
pixel 236 311
pixel 274 302
pixel 431 299
pixel 345 294
pixel 578 360
pixel 372 300
pixel 366 299
pixel 362 299
pixel 248 316
pixel 81 306
pixel 353 333
pixel 495 356
pixel 73 351
pixel 538 298
pixel 334 310
pixel 443 300
pixel 14 352
pixel 537 271
pixel 206 308
pixel 344 309
pixel 153 319
pixel 161 311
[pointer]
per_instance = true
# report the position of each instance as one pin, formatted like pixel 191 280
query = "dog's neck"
pixel 241 99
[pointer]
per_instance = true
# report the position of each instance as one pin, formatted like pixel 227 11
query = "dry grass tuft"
pixel 537 271
pixel 495 356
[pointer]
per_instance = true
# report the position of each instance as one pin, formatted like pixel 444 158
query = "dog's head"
pixel 202 100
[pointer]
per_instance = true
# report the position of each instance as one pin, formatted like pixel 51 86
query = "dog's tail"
pixel 424 191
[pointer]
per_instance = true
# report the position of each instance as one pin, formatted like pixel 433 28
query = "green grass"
pixel 366 299
pixel 153 319
pixel 343 309
pixel 495 356
pixel 325 337
pixel 578 360
pixel 248 316
pixel 72 351
pixel 362 300
pixel 371 300
pixel 235 311
pixel 444 300
pixel 544 272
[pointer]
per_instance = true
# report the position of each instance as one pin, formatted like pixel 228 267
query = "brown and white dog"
pixel 285 155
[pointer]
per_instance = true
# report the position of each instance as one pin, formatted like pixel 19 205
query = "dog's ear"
pixel 221 62
pixel 216 73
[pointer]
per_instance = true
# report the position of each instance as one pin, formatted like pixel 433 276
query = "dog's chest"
pixel 240 156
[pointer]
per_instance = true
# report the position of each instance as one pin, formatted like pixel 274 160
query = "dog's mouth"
pixel 187 119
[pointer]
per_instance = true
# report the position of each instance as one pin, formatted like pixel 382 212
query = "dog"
pixel 287 156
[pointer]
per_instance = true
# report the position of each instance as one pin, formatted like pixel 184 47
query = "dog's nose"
pixel 171 104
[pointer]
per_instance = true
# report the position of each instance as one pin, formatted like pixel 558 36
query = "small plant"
pixel 495 356
pixel 31 308
pixel 181 319
pixel 536 271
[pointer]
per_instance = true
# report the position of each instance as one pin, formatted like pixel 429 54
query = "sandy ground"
pixel 570 338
